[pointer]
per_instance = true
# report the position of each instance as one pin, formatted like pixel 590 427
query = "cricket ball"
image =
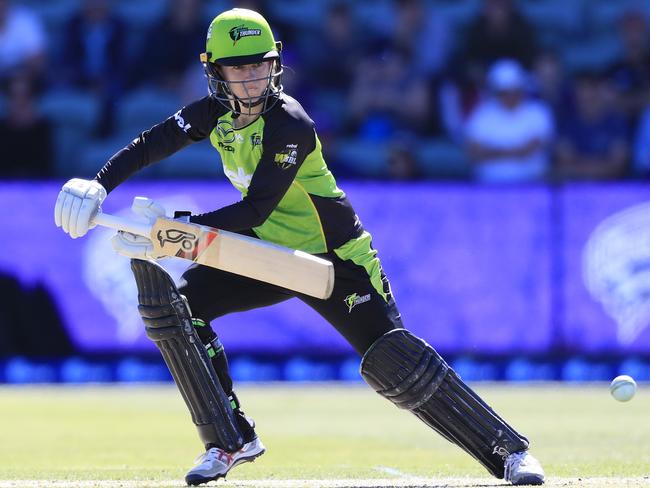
pixel 623 388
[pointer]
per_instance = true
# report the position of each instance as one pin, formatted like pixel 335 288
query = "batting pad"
pixel 411 374
pixel 168 323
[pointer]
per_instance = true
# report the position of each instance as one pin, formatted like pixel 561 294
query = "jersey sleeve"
pixel 190 124
pixel 285 147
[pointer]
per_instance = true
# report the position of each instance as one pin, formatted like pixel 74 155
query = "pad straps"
pixel 168 323
pixel 410 373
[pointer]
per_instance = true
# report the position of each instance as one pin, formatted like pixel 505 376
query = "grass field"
pixel 317 435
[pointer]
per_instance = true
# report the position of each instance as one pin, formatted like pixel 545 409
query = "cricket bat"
pixel 228 251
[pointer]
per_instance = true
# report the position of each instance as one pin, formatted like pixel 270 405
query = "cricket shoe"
pixel 521 468
pixel 216 463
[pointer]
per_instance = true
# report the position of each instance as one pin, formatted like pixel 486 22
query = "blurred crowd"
pixel 483 90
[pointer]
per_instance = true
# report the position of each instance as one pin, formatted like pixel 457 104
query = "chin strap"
pixel 238 105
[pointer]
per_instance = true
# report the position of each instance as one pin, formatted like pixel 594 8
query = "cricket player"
pixel 271 153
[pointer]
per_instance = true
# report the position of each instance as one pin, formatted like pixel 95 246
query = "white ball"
pixel 623 388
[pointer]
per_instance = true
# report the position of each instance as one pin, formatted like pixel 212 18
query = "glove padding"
pixel 147 208
pixel 134 246
pixel 78 202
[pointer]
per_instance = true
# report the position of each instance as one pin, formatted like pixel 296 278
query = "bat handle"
pixel 121 223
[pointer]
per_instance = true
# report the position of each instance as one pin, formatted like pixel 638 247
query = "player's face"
pixel 248 81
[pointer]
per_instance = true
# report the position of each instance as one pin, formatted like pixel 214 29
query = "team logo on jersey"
pixel 256 139
pixel 287 158
pixel 353 300
pixel 226 131
pixel 236 33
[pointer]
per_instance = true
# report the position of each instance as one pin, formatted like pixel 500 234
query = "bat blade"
pixel 228 251
pixel 246 256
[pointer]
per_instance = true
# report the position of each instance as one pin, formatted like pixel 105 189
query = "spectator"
pixel 550 83
pixel 386 97
pixel 642 146
pixel 25 137
pixel 332 54
pixel 330 57
pixel 592 138
pixel 402 162
pixel 95 56
pixel 500 32
pixel 508 135
pixel 172 46
pixel 458 96
pixel 631 75
pixel 414 28
pixel 22 42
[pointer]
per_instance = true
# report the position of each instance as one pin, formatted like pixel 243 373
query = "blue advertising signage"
pixel 486 270
pixel 606 260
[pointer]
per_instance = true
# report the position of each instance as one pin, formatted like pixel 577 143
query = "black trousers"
pixel 356 309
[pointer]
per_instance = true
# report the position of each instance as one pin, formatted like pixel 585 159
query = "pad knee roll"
pixel 411 374
pixel 168 323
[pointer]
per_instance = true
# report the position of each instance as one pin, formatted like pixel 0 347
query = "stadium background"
pixel 515 278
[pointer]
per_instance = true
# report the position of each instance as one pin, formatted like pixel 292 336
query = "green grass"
pixel 323 431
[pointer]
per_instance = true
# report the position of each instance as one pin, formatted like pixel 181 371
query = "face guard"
pixel 221 90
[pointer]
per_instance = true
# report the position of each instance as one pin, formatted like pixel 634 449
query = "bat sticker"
pixel 174 236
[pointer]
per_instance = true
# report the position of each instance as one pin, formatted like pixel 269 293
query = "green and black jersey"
pixel 289 196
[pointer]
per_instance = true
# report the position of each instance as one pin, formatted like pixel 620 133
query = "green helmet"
pixel 238 37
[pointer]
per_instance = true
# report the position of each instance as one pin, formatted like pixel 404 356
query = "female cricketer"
pixel 271 153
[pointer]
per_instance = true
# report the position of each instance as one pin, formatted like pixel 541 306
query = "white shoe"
pixel 216 463
pixel 521 468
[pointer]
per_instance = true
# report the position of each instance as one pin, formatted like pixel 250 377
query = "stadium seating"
pixel 363 158
pixel 583 32
pixel 604 14
pixel 74 115
pixel 139 110
pixel 596 53
pixel 441 158
pixel 199 160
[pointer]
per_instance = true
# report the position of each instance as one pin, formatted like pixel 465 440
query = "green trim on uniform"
pixel 198 323
pixel 295 221
pixel 361 253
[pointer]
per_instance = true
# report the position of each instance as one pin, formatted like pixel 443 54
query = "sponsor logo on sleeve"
pixel 180 121
pixel 288 157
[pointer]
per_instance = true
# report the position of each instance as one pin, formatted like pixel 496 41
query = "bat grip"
pixel 121 223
